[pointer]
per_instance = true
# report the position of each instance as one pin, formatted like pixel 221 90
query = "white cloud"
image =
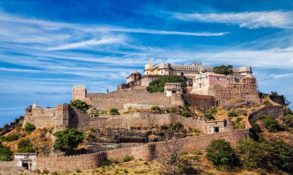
pixel 252 20
pixel 157 32
pixel 91 42
pixel 286 75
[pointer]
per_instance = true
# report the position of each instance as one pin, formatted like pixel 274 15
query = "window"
pixel 216 129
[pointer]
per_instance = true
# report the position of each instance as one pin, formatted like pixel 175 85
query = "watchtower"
pixel 79 92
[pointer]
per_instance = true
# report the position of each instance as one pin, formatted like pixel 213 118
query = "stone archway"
pixel 26 160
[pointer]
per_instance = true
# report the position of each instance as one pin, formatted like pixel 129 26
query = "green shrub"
pixel 28 127
pixel 255 132
pixel 67 140
pixel 287 120
pixel 5 153
pixel 186 113
pixel 45 171
pixel 128 158
pixel 164 127
pixel 280 154
pixel 174 109
pixel 232 114
pixel 158 85
pixel 177 126
pixel 270 123
pixel 155 109
pixel 25 146
pixel 221 154
pixel 252 153
pixel 106 162
pixel 209 116
pixel 212 110
pixel 223 69
pixel 79 104
pixel 267 103
pixel 11 137
pixel 238 123
pixel 114 111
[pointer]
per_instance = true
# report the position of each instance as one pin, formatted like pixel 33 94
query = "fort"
pixel 205 89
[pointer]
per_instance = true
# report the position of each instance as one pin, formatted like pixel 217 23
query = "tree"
pixel 172 161
pixel 81 105
pixel 252 153
pixel 67 140
pixel 270 123
pixel 221 154
pixel 25 146
pixel 280 154
pixel 159 84
pixel 5 153
pixel 28 127
pixel 223 69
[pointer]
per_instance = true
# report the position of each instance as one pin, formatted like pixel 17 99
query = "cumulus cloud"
pixel 251 20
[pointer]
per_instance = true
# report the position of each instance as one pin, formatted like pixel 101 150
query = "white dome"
pixel 148 66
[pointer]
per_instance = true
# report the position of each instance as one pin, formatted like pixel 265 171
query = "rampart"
pixel 9 127
pixel 274 111
pixel 57 117
pixel 117 99
pixel 64 116
pixel 145 152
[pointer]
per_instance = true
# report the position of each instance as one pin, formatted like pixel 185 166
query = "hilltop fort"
pixel 130 121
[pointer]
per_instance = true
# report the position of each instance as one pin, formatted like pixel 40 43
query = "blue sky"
pixel 46 46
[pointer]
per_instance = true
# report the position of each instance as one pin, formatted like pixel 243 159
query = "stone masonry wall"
pixel 200 101
pixel 145 152
pixel 236 93
pixel 57 117
pixel 138 120
pixel 116 99
pixel 63 116
pixel 70 163
pixel 274 111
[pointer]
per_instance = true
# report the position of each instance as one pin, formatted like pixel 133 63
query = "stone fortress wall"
pixel 9 127
pixel 64 116
pixel 57 117
pixel 147 152
pixel 117 99
pixel 274 111
pixel 139 98
pixel 151 150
